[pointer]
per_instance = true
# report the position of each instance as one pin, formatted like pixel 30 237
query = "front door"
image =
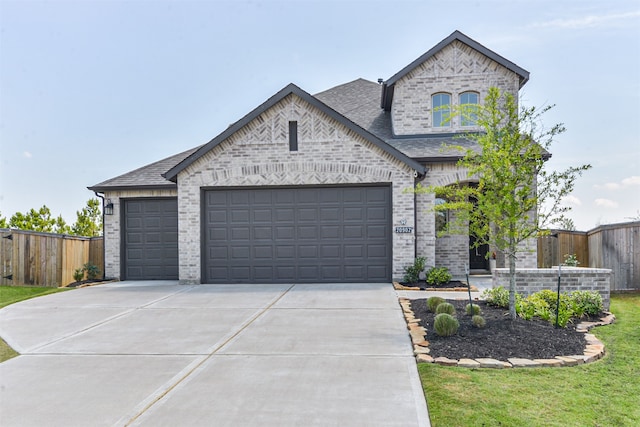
pixel 478 255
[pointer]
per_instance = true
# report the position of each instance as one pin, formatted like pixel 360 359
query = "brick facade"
pixel 113 227
pixel 258 155
pixel 530 280
pixel 455 69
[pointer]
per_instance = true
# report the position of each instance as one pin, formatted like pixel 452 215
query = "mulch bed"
pixel 422 284
pixel 501 338
pixel 86 282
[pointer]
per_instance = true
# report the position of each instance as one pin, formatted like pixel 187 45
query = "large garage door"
pixel 304 234
pixel 150 237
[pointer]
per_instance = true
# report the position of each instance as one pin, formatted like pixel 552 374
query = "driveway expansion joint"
pixel 171 385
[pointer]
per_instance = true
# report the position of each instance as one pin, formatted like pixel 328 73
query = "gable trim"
pixel 172 174
pixel 388 86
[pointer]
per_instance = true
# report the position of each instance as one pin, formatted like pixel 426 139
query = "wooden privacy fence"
pixel 45 259
pixel 614 246
pixel 553 248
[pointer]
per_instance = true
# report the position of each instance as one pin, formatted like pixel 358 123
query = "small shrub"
pixel 571 260
pixel 525 309
pixel 433 303
pixel 586 302
pixel 446 307
pixel 412 273
pixel 476 309
pixel 445 325
pixel 78 274
pixel 478 321
pixel 92 271
pixel 438 276
pixel 498 297
pixel 543 304
pixel 547 295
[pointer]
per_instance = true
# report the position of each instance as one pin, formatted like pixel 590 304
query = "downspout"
pixel 104 237
pixel 418 178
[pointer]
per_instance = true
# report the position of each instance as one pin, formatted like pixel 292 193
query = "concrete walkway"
pixel 162 354
pixel 480 282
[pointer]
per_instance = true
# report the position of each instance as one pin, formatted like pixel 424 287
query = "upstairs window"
pixel 442 217
pixel 469 103
pixel 440 105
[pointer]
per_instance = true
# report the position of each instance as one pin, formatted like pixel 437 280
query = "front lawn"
pixel 603 393
pixel 13 294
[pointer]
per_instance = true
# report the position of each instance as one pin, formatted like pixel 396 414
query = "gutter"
pixel 104 238
pixel 417 180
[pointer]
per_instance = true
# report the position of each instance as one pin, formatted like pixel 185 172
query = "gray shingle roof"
pixel 359 101
pixel 436 148
pixel 149 176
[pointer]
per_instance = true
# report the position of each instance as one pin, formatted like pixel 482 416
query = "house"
pixel 312 188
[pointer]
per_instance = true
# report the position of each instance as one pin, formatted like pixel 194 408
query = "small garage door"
pixel 150 237
pixel 303 234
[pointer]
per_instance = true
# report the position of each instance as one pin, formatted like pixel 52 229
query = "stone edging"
pixel 593 351
pixel 399 287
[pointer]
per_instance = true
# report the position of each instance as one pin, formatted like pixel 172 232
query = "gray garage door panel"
pixel 310 234
pixel 150 239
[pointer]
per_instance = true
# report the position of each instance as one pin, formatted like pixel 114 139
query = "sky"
pixel 90 90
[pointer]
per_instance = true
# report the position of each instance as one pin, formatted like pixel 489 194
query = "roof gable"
pixel 172 174
pixel 388 86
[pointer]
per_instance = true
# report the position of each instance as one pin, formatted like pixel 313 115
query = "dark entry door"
pixel 478 256
pixel 297 234
pixel 150 239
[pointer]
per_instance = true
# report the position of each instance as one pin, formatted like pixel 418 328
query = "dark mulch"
pixel 422 284
pixel 84 282
pixel 501 338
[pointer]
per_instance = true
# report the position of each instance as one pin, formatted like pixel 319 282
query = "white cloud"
pixel 591 21
pixel 572 200
pixel 606 203
pixel 626 182
pixel 27 154
pixel 632 180
pixel 608 186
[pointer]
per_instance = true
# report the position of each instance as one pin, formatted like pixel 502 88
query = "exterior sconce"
pixel 108 208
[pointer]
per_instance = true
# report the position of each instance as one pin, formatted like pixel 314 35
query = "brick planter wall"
pixel 530 280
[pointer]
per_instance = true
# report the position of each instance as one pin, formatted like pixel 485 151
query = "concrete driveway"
pixel 162 354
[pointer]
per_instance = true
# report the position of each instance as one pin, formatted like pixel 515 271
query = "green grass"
pixel 13 294
pixel 603 393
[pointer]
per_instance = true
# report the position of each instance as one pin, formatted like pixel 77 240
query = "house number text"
pixel 404 229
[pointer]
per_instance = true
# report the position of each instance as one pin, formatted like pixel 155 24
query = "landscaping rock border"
pixel 400 287
pixel 594 348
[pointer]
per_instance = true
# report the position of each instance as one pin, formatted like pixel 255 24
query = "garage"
pixel 297 234
pixel 150 237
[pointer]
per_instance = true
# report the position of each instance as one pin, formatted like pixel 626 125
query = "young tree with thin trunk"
pixel 516 197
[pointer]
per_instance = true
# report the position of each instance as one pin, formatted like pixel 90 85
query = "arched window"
pixel 440 107
pixel 469 104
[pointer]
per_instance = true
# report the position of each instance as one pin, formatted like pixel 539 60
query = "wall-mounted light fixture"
pixel 108 207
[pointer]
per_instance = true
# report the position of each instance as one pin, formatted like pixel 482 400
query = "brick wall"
pixel 457 68
pixel 258 155
pixel 113 228
pixel 530 280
